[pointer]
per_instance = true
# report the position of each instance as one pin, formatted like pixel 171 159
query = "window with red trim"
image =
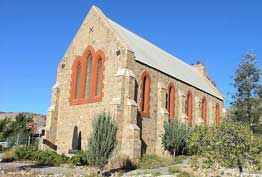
pixel 78 81
pixel 75 91
pixel 87 77
pixel 189 108
pixel 145 94
pixel 99 76
pixel 171 95
pixel 217 114
pixel 204 110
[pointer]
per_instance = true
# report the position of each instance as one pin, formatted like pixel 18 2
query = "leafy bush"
pixel 198 140
pixel 80 158
pixel 25 153
pixel 102 141
pixel 231 144
pixel 50 158
pixel 42 157
pixel 174 138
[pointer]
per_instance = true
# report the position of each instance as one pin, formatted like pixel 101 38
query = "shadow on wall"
pixel 139 120
pixel 76 141
pixel 139 123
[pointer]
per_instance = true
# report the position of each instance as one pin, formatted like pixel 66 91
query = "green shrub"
pixel 80 158
pixel 50 158
pixel 43 157
pixel 231 144
pixel 198 140
pixel 174 138
pixel 102 141
pixel 25 153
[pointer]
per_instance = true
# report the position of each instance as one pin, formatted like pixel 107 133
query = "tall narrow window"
pixel 88 76
pixel 189 109
pixel 171 101
pixel 78 80
pixel 145 94
pixel 204 110
pixel 217 114
pixel 99 77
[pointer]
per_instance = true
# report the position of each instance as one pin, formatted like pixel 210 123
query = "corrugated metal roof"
pixel 149 54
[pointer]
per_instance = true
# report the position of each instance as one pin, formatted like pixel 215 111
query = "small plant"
pixel 174 170
pixel 149 161
pixel 184 174
pixel 174 138
pixel 8 156
pixel 102 141
pixel 80 158
pixel 127 164
pixel 179 159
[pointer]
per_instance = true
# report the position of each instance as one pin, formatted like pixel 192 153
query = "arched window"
pixel 88 76
pixel 217 114
pixel 204 110
pixel 171 95
pixel 189 108
pixel 75 91
pixel 145 94
pixel 99 76
pixel 78 81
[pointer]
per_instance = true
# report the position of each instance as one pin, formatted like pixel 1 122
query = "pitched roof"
pixel 151 55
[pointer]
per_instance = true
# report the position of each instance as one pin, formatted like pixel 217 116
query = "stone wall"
pixel 62 117
pixel 152 127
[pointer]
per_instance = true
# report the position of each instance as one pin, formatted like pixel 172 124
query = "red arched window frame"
pixel 189 108
pixel 74 84
pixel 83 60
pixel 204 110
pixel 145 95
pixel 171 103
pixel 85 57
pixel 217 114
pixel 98 80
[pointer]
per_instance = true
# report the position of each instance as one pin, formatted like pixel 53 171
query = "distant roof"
pixel 151 55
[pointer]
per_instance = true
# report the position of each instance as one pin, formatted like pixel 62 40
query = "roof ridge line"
pixel 154 45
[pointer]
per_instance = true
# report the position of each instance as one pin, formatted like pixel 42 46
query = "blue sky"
pixel 34 35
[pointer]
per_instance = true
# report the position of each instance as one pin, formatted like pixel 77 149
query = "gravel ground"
pixel 31 169
pixel 28 169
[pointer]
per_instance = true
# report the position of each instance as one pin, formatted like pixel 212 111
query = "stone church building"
pixel 109 69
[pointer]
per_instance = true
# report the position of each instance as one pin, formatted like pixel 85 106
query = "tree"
pixel 20 128
pixel 102 141
pixel 247 101
pixel 4 124
pixel 175 135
